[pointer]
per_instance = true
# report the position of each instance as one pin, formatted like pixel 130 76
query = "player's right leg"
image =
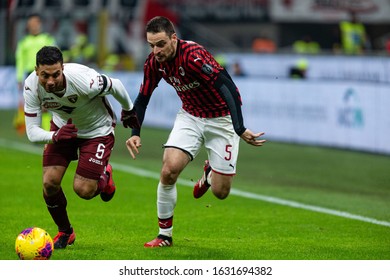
pixel 56 158
pixel 174 161
pixel 56 204
pixel 182 146
pixel 159 241
pixel 63 239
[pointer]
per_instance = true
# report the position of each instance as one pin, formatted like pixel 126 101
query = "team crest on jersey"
pixel 72 98
pixel 181 71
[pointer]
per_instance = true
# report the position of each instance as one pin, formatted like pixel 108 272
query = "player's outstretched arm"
pixel 252 138
pixel 133 144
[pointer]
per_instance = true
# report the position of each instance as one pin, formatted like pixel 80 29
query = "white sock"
pixel 166 202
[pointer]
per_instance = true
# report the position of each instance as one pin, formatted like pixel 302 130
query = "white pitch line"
pixel 154 175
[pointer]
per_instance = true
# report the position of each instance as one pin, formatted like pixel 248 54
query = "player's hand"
pixel 132 144
pixel 252 138
pixel 67 132
pixel 130 119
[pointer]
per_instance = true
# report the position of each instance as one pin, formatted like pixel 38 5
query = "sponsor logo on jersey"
pixel 51 105
pixel 57 106
pixel 176 83
pixel 189 86
pixel 72 98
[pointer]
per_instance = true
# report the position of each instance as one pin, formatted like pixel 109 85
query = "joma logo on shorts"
pixel 96 161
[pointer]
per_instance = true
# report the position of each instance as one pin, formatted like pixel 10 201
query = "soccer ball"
pixel 34 243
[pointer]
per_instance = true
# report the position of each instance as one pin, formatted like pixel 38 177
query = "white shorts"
pixel 217 135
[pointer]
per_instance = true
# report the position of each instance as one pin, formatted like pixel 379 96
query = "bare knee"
pixel 221 193
pixel 174 161
pixel 52 177
pixel 169 175
pixel 84 192
pixel 85 188
pixel 220 185
pixel 51 186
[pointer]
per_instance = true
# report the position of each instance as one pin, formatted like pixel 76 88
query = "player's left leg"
pixel 107 190
pixel 94 173
pixel 204 183
pixel 222 145
pixel 220 183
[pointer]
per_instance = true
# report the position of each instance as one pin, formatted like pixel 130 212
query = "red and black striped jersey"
pixel 192 73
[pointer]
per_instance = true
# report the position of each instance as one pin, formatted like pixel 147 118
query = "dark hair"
pixel 34 15
pixel 160 24
pixel 49 55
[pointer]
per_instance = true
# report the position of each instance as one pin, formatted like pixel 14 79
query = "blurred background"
pixel 240 26
pixel 307 69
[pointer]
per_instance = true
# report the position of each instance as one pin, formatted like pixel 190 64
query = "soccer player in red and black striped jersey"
pixel 210 116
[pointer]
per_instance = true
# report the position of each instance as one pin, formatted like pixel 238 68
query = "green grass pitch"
pixel 353 186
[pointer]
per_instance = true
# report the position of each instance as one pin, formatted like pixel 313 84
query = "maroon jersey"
pixel 192 73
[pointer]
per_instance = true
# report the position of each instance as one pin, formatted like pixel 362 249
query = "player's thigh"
pixel 94 155
pixel 222 145
pixel 174 161
pixel 60 154
pixel 186 134
pixel 56 159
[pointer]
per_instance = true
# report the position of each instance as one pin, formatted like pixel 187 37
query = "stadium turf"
pixel 289 202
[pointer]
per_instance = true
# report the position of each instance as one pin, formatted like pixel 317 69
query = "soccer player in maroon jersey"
pixel 210 116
